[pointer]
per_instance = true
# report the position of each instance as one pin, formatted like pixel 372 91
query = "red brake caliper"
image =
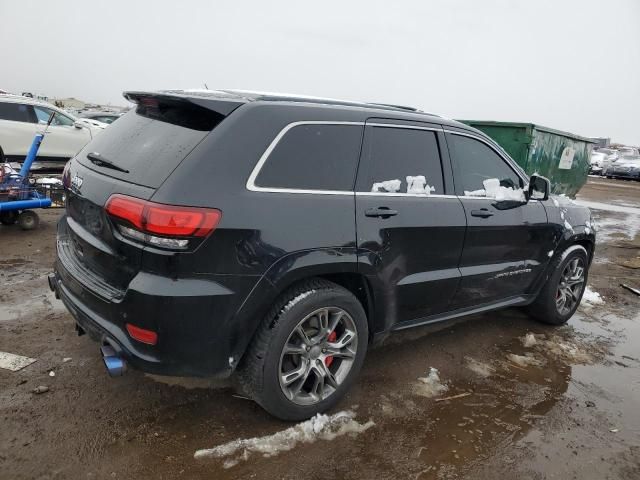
pixel 331 338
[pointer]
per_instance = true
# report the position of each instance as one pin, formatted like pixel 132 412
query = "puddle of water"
pixel 504 401
pixel 31 307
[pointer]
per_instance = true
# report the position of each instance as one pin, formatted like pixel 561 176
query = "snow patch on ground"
pixel 530 339
pixel 319 427
pixel 610 207
pixel 431 385
pixel 569 351
pixel 591 298
pixel 479 368
pixel 525 360
pixel 609 229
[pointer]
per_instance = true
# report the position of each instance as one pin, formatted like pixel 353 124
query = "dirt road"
pixel 557 403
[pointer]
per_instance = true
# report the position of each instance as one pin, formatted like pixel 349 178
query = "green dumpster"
pixel 560 156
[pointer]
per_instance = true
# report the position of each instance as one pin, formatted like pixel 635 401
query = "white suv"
pixel 21 118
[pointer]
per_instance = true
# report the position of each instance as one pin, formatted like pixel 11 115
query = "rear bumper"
pixel 195 319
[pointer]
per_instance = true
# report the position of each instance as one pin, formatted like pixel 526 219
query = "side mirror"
pixel 539 188
pixel 78 124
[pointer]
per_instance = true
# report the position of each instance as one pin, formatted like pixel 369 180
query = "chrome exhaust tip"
pixel 114 363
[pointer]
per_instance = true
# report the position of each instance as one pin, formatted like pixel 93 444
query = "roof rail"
pixel 401 107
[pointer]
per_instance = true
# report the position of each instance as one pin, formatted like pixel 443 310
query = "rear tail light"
pixel 165 226
pixel 142 335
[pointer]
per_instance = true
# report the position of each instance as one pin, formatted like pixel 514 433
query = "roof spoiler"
pixel 217 103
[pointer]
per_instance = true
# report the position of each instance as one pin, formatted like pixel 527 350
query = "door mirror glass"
pixel 539 188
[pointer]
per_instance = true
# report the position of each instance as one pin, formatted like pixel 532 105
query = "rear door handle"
pixel 482 213
pixel 382 212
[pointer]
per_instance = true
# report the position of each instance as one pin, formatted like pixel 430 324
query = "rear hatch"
pixel 132 157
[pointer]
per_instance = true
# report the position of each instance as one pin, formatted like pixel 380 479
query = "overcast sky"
pixel 571 64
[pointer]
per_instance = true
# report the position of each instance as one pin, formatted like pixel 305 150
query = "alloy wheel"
pixel 570 286
pixel 318 355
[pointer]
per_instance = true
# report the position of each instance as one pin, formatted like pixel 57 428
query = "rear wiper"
pixel 96 158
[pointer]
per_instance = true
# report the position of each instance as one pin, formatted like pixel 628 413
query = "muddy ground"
pixel 565 406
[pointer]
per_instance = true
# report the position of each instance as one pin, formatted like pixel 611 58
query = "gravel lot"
pixel 560 403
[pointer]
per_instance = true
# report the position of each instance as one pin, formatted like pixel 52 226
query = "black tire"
pixel 258 374
pixel 28 220
pixel 544 307
pixel 8 218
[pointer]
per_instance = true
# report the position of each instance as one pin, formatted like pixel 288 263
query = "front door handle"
pixel 482 213
pixel 382 212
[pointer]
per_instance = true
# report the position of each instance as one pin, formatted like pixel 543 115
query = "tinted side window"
pixel 395 159
pixel 313 157
pixel 476 162
pixel 16 112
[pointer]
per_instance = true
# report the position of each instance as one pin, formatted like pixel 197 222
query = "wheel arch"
pixel 337 265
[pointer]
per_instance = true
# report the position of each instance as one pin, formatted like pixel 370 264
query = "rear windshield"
pixel 150 141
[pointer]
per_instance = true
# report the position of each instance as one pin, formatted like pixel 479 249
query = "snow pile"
pixel 493 189
pixel 479 368
pixel 529 340
pixel 525 360
pixel 320 427
pixel 591 298
pixel 418 185
pixel 573 351
pixel 570 351
pixel 430 386
pixel 389 186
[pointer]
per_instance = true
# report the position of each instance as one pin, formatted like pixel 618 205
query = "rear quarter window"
pixel 313 157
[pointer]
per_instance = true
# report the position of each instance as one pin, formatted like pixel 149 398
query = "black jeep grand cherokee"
pixel 277 237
